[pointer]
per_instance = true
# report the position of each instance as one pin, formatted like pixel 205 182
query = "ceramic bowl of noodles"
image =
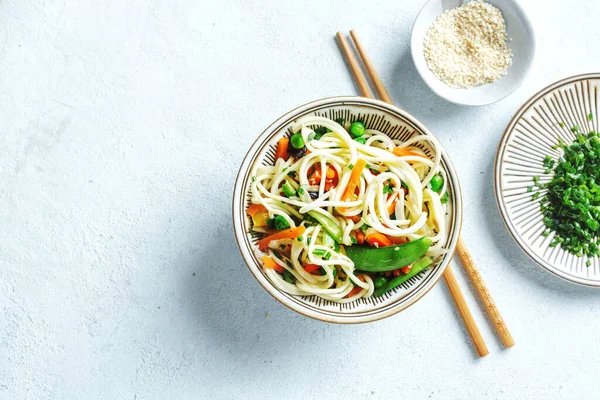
pixel 347 210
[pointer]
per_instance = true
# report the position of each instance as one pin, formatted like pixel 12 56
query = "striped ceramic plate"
pixel 376 115
pixel 529 137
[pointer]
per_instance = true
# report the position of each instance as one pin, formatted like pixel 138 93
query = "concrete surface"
pixel 122 127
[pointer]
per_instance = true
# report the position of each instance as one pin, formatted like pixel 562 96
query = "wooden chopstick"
pixel 461 248
pixel 484 293
pixel 449 278
pixel 383 94
pixel 358 75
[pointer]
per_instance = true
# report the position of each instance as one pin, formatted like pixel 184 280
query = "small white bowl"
pixel 521 40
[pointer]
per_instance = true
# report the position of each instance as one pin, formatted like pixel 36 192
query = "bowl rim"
pixel 244 170
pixel 529 26
pixel 497 181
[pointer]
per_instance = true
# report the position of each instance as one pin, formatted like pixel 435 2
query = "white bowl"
pixel 518 28
pixel 376 115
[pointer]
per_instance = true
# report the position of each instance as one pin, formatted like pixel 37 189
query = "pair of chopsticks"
pixel 461 249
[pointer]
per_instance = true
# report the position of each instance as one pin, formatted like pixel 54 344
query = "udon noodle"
pixel 393 199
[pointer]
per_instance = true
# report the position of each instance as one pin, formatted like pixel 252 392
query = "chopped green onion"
pixel 444 198
pixel 288 190
pixel 319 252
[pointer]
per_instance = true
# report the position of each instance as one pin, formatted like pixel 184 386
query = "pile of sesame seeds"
pixel 466 46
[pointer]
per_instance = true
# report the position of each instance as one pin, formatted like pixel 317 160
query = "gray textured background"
pixel 122 127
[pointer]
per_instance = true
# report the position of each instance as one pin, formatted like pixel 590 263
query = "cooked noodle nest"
pixel 418 210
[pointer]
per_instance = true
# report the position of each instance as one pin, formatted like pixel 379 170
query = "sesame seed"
pixel 466 46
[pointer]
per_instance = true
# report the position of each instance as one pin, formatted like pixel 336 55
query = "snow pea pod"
pixel 382 259
pixel 417 267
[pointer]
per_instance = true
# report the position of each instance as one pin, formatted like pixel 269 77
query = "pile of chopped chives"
pixel 570 203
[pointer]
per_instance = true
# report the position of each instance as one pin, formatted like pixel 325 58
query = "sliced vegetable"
pixel 387 258
pixel 397 239
pixel 417 267
pixel 259 214
pixel 289 277
pixel 378 240
pixel 444 198
pixel 254 208
pixel 288 190
pixel 310 268
pixel 269 263
pixel 354 291
pixel 354 179
pixel 354 218
pixel 401 152
pixel 282 149
pixel 405 270
pixel 286 234
pixel 330 226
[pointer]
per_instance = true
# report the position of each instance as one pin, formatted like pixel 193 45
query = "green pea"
pixel 360 140
pixel 357 129
pixel 297 141
pixel 380 281
pixel 437 182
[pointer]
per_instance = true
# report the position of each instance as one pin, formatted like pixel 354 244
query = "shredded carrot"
pixel 401 152
pixel 354 179
pixel 268 262
pixel 392 208
pixel 285 234
pixel 310 268
pixel 254 208
pixel 406 270
pixel 282 149
pixel 378 240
